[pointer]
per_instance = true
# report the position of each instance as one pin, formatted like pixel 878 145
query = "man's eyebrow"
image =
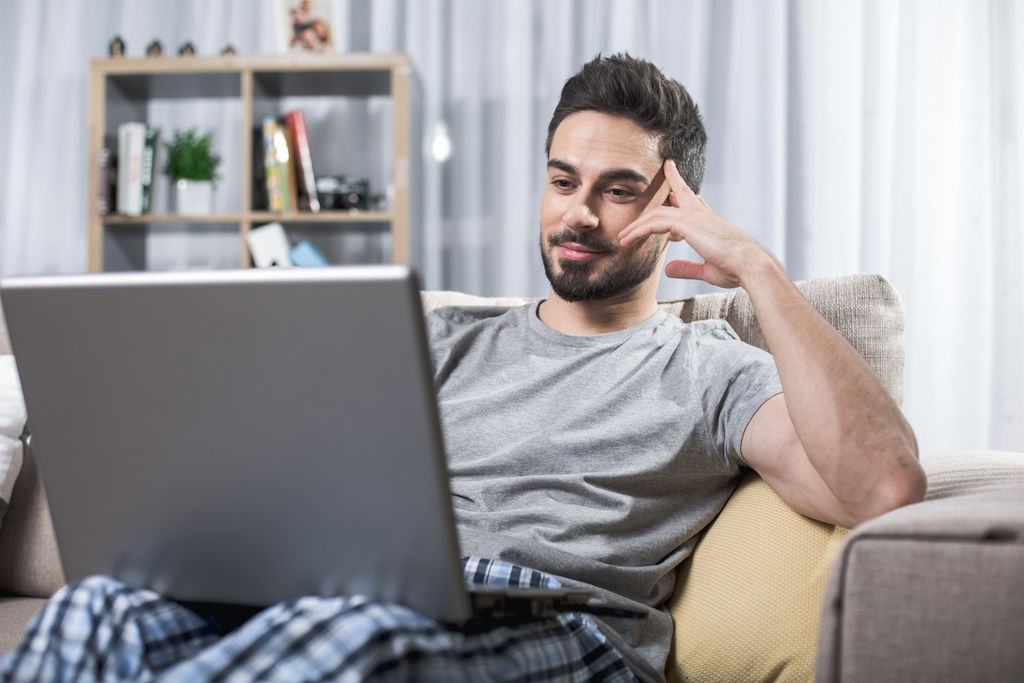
pixel 625 174
pixel 610 174
pixel 563 166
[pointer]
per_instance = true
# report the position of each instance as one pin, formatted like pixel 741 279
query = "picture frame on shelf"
pixel 306 26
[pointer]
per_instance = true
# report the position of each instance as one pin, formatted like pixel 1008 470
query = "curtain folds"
pixel 859 136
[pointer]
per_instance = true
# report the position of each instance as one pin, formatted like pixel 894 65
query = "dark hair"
pixel 637 90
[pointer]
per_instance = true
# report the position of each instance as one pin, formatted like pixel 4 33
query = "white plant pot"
pixel 194 197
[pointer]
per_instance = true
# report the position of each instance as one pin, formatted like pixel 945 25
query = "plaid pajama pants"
pixel 100 630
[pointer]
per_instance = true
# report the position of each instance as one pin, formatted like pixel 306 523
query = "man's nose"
pixel 579 215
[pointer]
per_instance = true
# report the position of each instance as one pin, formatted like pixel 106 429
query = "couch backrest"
pixel 865 308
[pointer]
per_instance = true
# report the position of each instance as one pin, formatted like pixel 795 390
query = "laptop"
pixel 247 437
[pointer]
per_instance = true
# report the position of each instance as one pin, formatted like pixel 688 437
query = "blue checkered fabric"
pixel 100 630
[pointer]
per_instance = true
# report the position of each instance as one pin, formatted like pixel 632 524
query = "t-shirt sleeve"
pixel 438 330
pixel 451 330
pixel 733 379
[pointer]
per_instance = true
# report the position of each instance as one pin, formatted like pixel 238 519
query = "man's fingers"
pixel 680 190
pixel 672 200
pixel 657 221
pixel 685 270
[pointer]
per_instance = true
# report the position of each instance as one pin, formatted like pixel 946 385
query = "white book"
pixel 122 168
pixel 131 141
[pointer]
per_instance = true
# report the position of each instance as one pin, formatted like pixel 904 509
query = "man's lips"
pixel 577 252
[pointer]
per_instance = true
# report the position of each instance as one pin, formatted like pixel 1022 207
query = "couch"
pixel 933 591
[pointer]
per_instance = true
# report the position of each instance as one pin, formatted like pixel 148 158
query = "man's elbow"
pixel 903 486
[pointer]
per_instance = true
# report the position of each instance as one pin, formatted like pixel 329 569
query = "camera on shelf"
pixel 343 192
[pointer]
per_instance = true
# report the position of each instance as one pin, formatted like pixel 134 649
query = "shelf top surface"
pixel 354 61
pixel 352 74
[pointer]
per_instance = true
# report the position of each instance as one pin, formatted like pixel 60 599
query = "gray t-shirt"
pixel 597 458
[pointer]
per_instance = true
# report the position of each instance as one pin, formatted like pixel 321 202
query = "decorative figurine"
pixel 187 50
pixel 227 51
pixel 116 48
pixel 155 49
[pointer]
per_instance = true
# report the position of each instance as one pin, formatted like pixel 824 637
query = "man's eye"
pixel 619 193
pixel 561 184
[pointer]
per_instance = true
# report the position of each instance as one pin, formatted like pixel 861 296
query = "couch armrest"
pixel 934 591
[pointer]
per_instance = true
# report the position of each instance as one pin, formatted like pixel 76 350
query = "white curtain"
pixel 871 135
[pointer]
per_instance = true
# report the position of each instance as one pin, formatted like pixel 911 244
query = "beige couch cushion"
pixel 975 473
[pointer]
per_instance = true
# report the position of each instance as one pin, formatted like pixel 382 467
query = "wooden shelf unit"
pixel 121 90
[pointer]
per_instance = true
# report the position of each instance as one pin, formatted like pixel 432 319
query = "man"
pixel 591 436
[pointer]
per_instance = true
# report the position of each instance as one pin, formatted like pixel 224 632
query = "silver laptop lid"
pixel 243 436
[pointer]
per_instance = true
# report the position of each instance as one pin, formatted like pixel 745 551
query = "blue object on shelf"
pixel 304 254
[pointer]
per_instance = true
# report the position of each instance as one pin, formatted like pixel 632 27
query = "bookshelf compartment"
pixel 182 85
pixel 221 117
pixel 355 82
pixel 167 245
pixel 348 136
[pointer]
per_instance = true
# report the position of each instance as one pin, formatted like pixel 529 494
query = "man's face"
pixel 603 172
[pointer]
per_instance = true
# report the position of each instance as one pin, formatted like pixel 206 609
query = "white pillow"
pixel 12 424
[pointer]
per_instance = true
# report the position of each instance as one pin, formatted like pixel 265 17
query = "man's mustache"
pixel 585 240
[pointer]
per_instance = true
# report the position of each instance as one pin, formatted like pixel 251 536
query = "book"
pixel 121 185
pixel 149 152
pixel 285 155
pixel 106 181
pixel 272 170
pixel 131 140
pixel 305 255
pixel 269 246
pixel 259 172
pixel 279 168
pixel 306 185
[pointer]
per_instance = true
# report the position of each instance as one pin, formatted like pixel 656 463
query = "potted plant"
pixel 192 168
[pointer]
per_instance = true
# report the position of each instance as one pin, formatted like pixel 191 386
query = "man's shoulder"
pixel 714 343
pixel 468 314
pixel 447 320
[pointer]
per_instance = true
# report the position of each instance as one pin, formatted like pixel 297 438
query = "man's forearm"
pixel 853 432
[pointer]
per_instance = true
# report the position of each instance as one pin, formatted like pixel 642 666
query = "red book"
pixel 303 160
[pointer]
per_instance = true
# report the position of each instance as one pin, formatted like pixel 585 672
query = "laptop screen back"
pixel 242 437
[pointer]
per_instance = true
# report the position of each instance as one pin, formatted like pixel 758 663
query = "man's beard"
pixel 574 282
